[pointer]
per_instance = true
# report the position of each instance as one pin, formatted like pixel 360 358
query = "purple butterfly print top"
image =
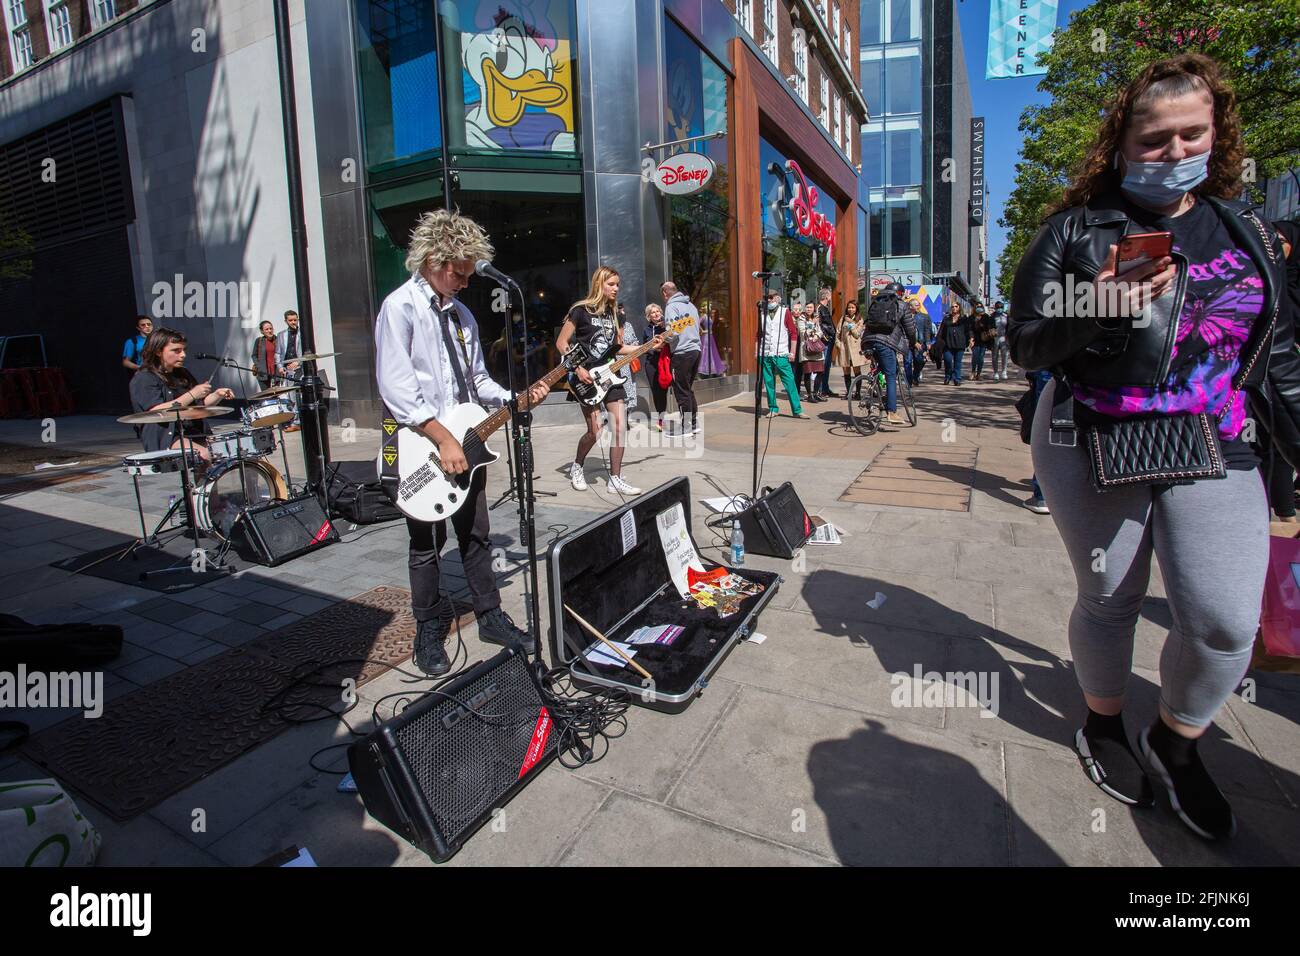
pixel 1224 297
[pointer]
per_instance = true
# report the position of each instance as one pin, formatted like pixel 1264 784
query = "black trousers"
pixel 473 538
pixel 685 365
pixel 658 393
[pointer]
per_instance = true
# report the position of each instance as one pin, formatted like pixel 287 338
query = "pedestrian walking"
pixel 984 337
pixel 954 336
pixel 1167 159
pixel 654 317
pixel 811 351
pixel 685 350
pixel 924 338
pixel 1001 349
pixel 848 343
pixel 827 321
pixel 889 330
pixel 778 350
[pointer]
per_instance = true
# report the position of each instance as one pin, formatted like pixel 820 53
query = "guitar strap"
pixel 388 476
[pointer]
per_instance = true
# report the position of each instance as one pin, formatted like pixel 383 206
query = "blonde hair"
pixel 444 236
pixel 595 300
pixel 653 307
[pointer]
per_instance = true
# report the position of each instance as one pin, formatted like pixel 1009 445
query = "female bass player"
pixel 593 322
pixel 163 381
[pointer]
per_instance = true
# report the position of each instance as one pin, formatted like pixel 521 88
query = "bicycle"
pixel 866 397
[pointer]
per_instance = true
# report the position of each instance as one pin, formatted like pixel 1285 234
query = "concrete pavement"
pixel 808 749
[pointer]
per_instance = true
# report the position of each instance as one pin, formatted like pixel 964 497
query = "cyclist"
pixel 890 329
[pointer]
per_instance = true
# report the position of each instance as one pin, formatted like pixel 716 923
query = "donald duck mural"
pixel 518 78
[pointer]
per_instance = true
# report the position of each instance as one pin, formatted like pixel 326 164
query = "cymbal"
pixel 186 415
pixel 313 356
pixel 272 392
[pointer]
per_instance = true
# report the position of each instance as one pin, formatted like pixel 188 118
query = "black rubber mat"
pixel 160 739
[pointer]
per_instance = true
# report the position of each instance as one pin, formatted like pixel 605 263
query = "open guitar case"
pixel 614 574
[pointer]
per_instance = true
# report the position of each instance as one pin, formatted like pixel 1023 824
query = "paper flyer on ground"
pixel 679 549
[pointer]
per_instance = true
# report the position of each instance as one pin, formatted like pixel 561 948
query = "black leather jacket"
pixel 1067 254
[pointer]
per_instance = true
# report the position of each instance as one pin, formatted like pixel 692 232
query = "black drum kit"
pixel 219 487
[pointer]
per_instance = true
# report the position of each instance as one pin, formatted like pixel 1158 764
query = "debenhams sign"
pixel 977 171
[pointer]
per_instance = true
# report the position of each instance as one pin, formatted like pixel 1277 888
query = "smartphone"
pixel 1142 247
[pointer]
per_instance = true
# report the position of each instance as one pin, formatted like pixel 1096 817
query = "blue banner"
pixel 1019 30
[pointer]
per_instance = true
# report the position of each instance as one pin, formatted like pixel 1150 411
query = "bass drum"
pixel 220 499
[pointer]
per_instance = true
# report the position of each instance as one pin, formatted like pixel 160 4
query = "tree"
pixel 15 251
pixel 1106 45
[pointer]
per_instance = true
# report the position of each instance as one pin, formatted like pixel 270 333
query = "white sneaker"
pixel 577 478
pixel 616 483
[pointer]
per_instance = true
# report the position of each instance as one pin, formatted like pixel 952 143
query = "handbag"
pixel 813 346
pixel 665 369
pixel 1155 449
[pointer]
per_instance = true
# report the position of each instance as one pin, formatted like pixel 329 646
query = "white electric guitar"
pixel 604 377
pixel 427 493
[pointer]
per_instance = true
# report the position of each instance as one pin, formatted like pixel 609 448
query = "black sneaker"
pixel 1111 765
pixel 430 636
pixel 496 627
pixel 1192 794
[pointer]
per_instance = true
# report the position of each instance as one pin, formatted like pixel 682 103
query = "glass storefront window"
pixel 398 68
pixel 873 158
pixel 904 20
pixel 904 157
pixel 903 84
pixel 871 17
pixel 510 75
pixel 904 227
pixel 536 224
pixel 872 85
pixel 701 227
pixel 805 260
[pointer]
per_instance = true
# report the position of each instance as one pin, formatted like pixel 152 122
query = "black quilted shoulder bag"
pixel 1166 449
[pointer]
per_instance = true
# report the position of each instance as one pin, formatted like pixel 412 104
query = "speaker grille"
pixel 470 747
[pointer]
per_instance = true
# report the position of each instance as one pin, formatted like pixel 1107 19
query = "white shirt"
pixel 776 337
pixel 412 367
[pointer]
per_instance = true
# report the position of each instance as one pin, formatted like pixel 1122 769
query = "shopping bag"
pixel 40 825
pixel 1278 647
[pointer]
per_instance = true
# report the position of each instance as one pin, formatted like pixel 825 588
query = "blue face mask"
pixel 1161 184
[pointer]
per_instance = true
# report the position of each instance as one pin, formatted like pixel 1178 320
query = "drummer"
pixel 163 380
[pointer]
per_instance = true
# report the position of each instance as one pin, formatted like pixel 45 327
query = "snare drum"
pixel 153 462
pixel 269 412
pixel 220 499
pixel 236 441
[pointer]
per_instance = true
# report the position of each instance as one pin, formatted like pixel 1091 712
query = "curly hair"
pixel 444 236
pixel 1190 72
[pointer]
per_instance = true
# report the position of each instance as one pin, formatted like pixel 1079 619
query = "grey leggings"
pixel 1211 539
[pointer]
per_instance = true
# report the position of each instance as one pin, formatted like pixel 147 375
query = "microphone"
pixel 216 358
pixel 766 275
pixel 489 271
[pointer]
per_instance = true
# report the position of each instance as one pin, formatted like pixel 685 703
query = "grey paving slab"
pixel 255 613
pixel 890 552
pixel 41 533
pixel 657 747
pixel 628 831
pixel 152 668
pixel 849 670
pixel 233 794
pixel 179 643
pixel 16 558
pixel 932 527
pixel 269 594
pixel 838 600
pixel 1061 817
pixel 1029 567
pixel 221 603
pixel 236 633
pixel 139 631
pixel 845 786
pixel 282 621
pixel 164 611
pixel 307 604
pixel 211 649
pixel 1272 724
pixel 204 622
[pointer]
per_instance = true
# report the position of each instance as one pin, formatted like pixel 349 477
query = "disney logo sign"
pixel 805 218
pixel 684 174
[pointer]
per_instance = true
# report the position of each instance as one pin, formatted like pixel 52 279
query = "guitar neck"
pixel 631 356
pixel 502 415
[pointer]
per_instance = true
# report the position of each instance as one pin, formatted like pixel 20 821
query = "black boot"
pixel 496 627
pixel 430 636
pixel 1192 794
pixel 1109 761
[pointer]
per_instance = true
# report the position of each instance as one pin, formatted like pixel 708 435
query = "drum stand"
pixel 187 485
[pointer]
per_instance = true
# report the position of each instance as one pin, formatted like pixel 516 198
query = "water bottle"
pixel 171 503
pixel 737 545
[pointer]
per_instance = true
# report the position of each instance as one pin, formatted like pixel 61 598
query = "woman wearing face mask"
pixel 1189 344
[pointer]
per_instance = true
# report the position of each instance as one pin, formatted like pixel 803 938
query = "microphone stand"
pixel 758 378
pixel 512 492
pixel 522 467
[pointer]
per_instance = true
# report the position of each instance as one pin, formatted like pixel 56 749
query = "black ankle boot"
pixel 1192 794
pixel 1109 761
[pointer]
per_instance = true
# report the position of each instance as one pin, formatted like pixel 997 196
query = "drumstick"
pixel 610 644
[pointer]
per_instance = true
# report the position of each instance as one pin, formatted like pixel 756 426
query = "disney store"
pixel 546 120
